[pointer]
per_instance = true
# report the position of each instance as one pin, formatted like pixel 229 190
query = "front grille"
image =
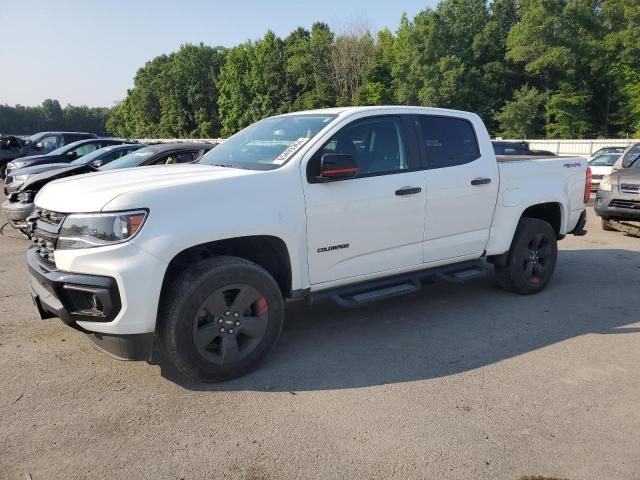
pixel 47 216
pixel 630 188
pixel 619 203
pixel 44 226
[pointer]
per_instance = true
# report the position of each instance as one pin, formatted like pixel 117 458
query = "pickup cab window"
pixel 376 144
pixel 448 141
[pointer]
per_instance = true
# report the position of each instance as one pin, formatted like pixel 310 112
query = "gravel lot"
pixel 453 382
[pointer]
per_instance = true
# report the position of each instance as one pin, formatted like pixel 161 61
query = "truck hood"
pixel 90 193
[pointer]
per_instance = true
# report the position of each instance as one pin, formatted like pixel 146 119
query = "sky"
pixel 86 52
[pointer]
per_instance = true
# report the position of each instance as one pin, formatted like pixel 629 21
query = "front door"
pixel 372 223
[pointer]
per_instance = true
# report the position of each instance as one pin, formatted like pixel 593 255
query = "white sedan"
pixel 600 166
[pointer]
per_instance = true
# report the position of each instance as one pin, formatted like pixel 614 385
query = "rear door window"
pixel 86 148
pixel 175 158
pixel 448 141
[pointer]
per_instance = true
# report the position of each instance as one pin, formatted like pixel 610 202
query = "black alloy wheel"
pixel 230 323
pixel 531 259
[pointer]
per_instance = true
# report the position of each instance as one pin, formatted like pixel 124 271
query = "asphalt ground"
pixel 453 382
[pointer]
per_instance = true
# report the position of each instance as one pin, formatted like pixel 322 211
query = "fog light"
pixel 96 304
pixel 86 301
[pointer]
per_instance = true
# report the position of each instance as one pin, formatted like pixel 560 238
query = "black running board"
pixel 390 287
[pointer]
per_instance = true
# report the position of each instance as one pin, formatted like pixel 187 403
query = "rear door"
pixel 462 187
pixel 372 223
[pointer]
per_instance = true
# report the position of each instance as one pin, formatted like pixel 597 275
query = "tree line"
pixel 21 120
pixel 529 68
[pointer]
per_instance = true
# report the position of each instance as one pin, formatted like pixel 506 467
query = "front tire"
pixel 221 318
pixel 531 259
pixel 606 225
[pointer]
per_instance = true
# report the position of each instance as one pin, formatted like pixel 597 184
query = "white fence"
pixel 577 147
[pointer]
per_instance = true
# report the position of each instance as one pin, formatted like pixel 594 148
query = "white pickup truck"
pixel 347 204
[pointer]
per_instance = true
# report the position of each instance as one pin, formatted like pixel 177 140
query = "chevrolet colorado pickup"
pixel 347 204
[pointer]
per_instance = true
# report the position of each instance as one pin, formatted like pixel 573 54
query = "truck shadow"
pixel 444 329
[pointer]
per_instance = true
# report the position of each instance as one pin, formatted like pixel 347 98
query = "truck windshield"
pixel 267 144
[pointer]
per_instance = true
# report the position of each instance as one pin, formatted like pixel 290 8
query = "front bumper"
pixel 616 205
pixel 82 301
pixel 72 297
pixel 137 274
pixel 17 213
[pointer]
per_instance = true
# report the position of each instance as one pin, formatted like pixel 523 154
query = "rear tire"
pixel 531 259
pixel 221 318
pixel 3 170
pixel 606 225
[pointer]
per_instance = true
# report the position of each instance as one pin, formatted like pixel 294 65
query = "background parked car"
pixel 628 157
pixel 19 205
pixel 65 154
pixel 503 148
pixel 39 144
pixel 618 197
pixel 600 166
pixel 96 159
pixel 162 154
pixel 602 150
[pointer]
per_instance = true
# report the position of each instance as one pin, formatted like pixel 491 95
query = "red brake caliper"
pixel 262 306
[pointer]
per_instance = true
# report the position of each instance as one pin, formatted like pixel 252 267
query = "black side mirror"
pixel 337 166
pixel 72 155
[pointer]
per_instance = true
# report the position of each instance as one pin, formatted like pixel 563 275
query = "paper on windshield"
pixel 290 150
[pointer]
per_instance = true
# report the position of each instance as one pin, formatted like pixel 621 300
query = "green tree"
pixel 522 116
pixel 308 68
pixel 252 83
pixel 568 114
pixel 174 95
pixel 377 88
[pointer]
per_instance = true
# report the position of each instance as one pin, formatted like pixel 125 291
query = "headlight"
pixel 605 183
pixel 24 197
pixel 16 164
pixel 87 230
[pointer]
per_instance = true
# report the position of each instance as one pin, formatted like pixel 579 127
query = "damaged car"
pixel 40 143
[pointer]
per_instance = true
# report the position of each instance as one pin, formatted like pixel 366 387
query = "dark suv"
pixel 38 144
